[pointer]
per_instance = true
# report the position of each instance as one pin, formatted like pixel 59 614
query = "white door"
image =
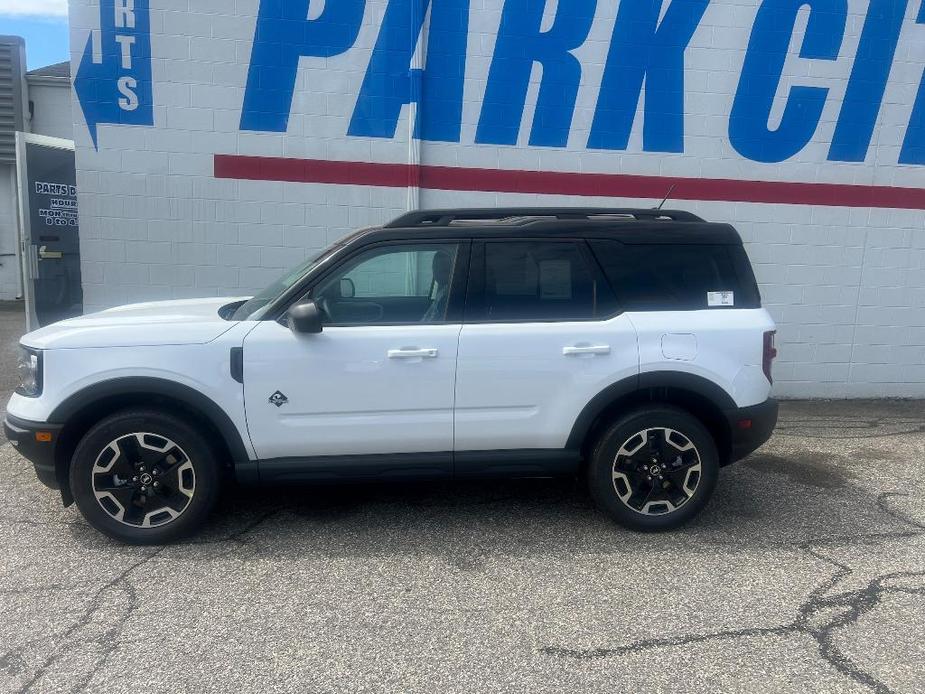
pixel 379 378
pixel 537 346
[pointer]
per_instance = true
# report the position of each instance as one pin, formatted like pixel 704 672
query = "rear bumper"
pixel 23 435
pixel 750 427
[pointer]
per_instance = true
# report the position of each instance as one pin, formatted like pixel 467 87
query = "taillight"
pixel 770 351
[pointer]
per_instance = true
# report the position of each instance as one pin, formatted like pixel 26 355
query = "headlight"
pixel 30 372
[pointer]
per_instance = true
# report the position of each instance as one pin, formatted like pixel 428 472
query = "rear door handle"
pixel 586 349
pixel 428 353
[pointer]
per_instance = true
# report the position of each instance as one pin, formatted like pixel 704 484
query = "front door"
pixel 378 381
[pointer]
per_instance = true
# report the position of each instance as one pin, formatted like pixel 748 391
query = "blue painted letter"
pixel 116 87
pixel 520 43
pixel 868 80
pixel 913 151
pixel 390 83
pixel 761 74
pixel 283 35
pixel 643 48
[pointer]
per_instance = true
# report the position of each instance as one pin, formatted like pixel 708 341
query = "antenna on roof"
pixel 670 191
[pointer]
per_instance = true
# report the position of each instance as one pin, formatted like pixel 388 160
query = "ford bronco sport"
pixel 628 346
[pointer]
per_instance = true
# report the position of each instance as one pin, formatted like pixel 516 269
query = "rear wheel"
pixel 144 477
pixel 654 469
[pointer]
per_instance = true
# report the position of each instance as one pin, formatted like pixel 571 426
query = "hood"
pixel 184 322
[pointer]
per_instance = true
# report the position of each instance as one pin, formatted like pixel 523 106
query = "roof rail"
pixel 437 218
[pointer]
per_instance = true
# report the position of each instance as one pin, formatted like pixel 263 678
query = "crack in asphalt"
pixel 15 655
pixel 821 617
pixel 12 661
pixel 853 604
pixel 850 606
pixel 820 426
pixel 237 537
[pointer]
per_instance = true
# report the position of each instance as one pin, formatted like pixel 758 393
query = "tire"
pixel 144 477
pixel 654 469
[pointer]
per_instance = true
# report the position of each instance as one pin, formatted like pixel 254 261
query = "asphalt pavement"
pixel 805 573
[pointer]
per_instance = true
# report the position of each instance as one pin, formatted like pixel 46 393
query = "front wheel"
pixel 654 469
pixel 144 477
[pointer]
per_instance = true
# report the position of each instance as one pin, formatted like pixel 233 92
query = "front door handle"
pixel 428 353
pixel 586 349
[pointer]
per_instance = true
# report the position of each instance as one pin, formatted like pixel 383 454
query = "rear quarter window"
pixel 677 277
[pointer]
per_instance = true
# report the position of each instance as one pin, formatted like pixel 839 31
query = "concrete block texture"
pixel 723 93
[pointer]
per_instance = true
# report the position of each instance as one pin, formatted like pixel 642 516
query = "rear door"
pixel 542 336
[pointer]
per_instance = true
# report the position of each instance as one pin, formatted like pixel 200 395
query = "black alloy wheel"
pixel 143 480
pixel 654 469
pixel 145 476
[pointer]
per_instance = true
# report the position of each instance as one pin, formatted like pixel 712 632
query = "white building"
pixel 218 142
pixel 49 90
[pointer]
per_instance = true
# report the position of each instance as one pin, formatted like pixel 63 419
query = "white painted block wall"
pixel 52 110
pixel 846 285
pixel 10 287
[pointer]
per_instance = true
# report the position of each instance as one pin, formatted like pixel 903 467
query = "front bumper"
pixel 750 427
pixel 29 438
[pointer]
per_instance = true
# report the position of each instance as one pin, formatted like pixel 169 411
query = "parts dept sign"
pixel 643 71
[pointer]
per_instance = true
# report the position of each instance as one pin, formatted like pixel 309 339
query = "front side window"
pixel 541 281
pixel 391 284
pixel 255 307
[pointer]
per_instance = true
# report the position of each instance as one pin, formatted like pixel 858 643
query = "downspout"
pixel 413 201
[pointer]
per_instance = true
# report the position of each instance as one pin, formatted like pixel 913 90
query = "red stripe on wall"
pixel 558 183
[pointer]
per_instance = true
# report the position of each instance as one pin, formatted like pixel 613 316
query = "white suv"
pixel 629 346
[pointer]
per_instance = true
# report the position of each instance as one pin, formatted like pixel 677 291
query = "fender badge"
pixel 278 399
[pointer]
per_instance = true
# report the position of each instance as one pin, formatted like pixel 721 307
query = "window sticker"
pixel 555 279
pixel 726 298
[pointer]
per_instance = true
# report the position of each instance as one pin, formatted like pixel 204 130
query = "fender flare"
pixel 146 385
pixel 651 379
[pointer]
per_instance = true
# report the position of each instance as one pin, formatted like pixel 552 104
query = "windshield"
pixel 253 308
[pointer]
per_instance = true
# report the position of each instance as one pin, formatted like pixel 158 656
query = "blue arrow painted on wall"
pixel 113 82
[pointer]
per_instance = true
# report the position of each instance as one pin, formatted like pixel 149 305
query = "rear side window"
pixel 672 277
pixel 542 281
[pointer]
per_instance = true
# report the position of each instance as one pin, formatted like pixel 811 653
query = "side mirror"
pixel 304 317
pixel 348 289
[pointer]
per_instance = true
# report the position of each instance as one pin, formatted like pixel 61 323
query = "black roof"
pixel 56 70
pixel 628 225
